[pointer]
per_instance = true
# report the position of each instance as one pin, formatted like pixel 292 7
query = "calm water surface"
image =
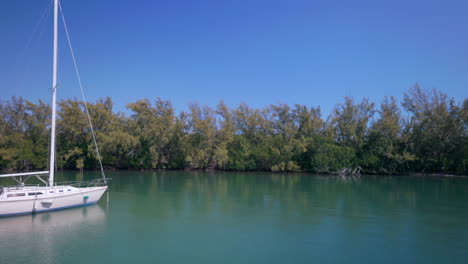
pixel 180 217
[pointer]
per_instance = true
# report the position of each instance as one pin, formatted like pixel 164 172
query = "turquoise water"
pixel 181 217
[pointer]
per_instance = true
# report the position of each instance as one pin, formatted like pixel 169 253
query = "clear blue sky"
pixel 252 51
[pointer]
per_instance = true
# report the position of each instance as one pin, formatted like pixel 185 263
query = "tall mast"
pixel 54 97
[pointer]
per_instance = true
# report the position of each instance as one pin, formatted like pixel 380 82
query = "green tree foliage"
pixel 437 130
pixel 113 132
pixel 24 134
pixel 152 124
pixel 202 139
pixel 427 134
pixel 224 135
pixel 245 152
pixel 73 135
pixel 350 122
pixel 386 150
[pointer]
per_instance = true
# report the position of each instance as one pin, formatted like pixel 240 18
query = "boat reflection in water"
pixel 47 235
pixel 52 221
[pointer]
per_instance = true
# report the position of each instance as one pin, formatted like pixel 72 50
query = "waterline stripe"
pixel 49 210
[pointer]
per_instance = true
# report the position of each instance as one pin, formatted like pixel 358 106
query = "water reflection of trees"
pixel 285 197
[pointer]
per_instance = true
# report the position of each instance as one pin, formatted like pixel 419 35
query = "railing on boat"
pixel 19 187
pixel 80 184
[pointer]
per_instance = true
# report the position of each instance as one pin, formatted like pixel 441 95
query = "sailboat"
pixel 29 199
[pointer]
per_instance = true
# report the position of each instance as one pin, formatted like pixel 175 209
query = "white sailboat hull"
pixel 28 200
pixel 34 199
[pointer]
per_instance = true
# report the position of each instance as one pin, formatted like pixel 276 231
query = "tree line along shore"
pixel 424 133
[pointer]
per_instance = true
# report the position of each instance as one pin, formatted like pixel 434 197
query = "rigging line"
pixel 22 61
pixel 38 25
pixel 82 92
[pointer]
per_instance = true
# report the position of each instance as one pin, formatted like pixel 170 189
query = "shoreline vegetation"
pixel 424 134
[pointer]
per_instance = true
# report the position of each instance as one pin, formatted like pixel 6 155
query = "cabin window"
pixel 35 193
pixel 51 192
pixel 61 191
pixel 69 190
pixel 16 194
